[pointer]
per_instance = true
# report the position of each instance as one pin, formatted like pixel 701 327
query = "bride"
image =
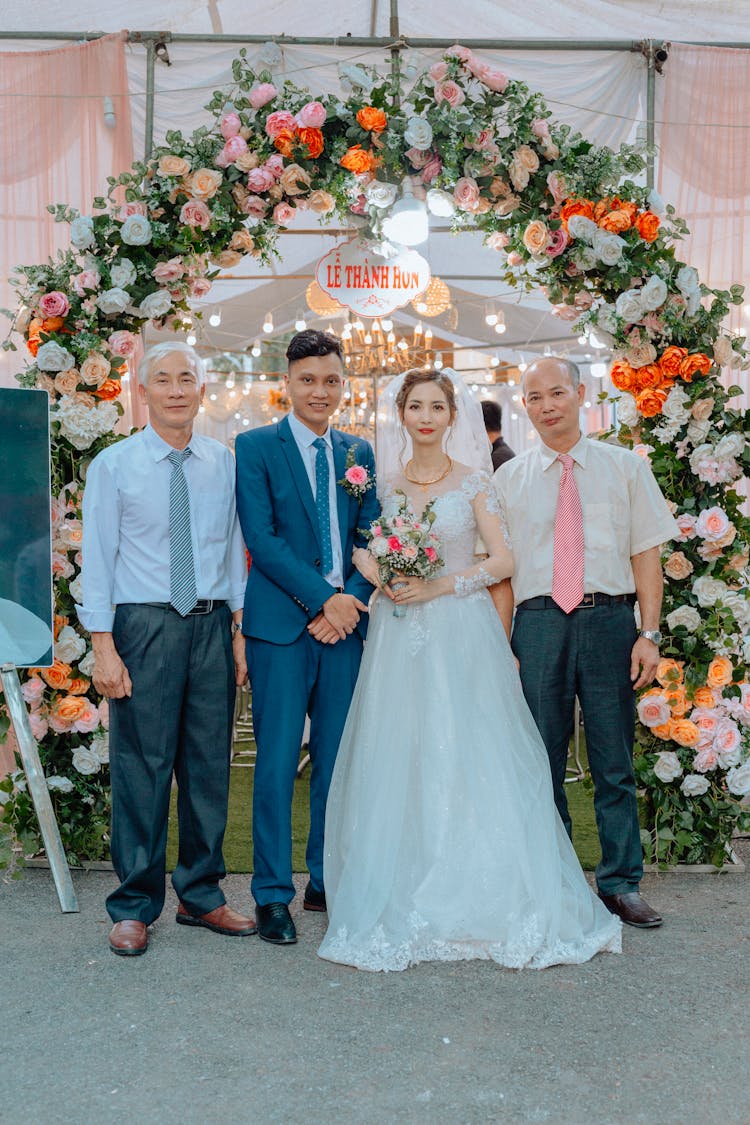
pixel 442 842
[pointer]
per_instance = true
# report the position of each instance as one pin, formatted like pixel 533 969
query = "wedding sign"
pixel 368 284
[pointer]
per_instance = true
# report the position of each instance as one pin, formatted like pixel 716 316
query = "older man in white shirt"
pixel 586 520
pixel 163 585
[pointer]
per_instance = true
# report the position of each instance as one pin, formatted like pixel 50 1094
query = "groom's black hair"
pixel 311 342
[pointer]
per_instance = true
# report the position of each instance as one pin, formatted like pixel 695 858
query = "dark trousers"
pixel 587 654
pixel 288 682
pixel 177 721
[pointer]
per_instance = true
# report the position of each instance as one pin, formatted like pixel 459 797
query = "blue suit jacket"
pixel 285 588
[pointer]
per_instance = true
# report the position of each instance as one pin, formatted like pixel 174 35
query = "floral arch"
pixel 563 215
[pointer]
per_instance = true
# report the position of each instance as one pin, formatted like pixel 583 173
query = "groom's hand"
pixel 323 631
pixel 342 612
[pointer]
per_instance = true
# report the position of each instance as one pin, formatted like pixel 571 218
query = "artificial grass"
pixel 238 841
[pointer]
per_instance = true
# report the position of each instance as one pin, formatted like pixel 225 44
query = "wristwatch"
pixel 652 635
pixel 236 628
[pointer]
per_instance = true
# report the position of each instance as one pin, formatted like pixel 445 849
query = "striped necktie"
pixel 322 505
pixel 567 565
pixel 183 592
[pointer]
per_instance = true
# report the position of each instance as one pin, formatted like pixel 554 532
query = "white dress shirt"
pixel 126 526
pixel 304 438
pixel 624 513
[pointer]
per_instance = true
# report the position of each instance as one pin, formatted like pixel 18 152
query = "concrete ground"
pixel 208 1029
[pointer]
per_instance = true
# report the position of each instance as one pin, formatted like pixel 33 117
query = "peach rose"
pixel 623 376
pixel 697 363
pixel 466 193
pixel 616 222
pixel 313 140
pixel 526 158
pixel 321 202
pixel 677 700
pixel 295 180
pixel 684 732
pixel 172 166
pixel 664 731
pixel 678 566
pixel 653 710
pixel 373 120
pixel 720 672
pixel 702 409
pixel 536 237
pixel 199 287
pixel 66 381
pixel 204 183
pixel 226 259
pixel 686 524
pixel 576 207
pixel 167 272
pixel 68 708
pixel 669 671
pixel 704 697
pixel 246 161
pixel 95 369
pixel 647 225
pixel 79 686
pixel 242 241
pixel 283 213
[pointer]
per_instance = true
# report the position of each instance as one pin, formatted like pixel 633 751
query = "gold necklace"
pixel 435 480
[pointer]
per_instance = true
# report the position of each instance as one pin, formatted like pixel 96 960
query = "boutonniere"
pixel 356 479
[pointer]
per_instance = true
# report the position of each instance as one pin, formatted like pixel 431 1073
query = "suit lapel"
pixel 299 474
pixel 342 497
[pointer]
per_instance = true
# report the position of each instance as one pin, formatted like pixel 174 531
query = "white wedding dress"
pixel 442 840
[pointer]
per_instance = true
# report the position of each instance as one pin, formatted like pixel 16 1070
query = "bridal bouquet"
pixel 404 544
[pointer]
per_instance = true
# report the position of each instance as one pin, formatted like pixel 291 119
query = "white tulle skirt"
pixel 442 838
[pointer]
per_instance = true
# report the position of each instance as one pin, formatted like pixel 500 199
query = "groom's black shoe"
pixel 275 923
pixel 633 910
pixel 314 900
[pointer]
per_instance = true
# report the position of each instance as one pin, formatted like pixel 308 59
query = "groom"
pixel 302 612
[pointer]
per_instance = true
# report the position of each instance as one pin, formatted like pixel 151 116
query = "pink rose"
pixel 438 71
pixel 557 187
pixel 450 92
pixel 275 165
pixel 356 474
pixel 195 213
pixel 565 312
pixel 558 240
pixel 707 720
pixel 122 343
pixel 582 300
pixel 279 120
pixel 230 125
pixel 39 726
pixel 432 169
pixel 260 179
pixel 88 721
pixel 33 690
pixel 283 213
pixel 514 258
pixel 466 193
pixel 394 543
pixel 728 737
pixel 128 209
pixel 86 279
pixel 459 52
pixel 493 79
pixel 167 272
pixel 417 156
pixel 311 116
pixel 255 206
pixel 409 552
pixel 483 139
pixel 654 710
pixel 104 713
pixel 261 95
pixel 377 530
pixel 497 240
pixel 712 524
pixel 540 128
pixel 234 148
pixel 686 524
pixel 431 554
pixel 54 304
pixel 705 760
pixel 199 287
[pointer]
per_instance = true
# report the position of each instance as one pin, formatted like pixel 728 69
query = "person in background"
pixel 493 424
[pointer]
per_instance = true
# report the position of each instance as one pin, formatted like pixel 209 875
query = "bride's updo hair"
pixel 418 376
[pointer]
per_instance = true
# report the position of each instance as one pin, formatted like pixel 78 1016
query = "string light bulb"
pixel 215 318
pixel 268 323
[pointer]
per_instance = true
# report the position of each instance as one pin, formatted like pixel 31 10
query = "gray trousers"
pixel 177 721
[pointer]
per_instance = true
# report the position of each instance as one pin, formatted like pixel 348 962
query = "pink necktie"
pixel 567 565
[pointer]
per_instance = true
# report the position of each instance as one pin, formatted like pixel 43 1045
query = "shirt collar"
pixel 304 436
pixel 578 453
pixel 160 449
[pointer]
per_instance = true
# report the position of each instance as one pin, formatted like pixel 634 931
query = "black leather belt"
pixel 201 607
pixel 587 602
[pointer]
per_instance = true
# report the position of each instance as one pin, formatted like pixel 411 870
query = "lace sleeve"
pixel 463 584
pixel 480 484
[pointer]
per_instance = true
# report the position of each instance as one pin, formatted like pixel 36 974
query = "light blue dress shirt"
pixel 126 526
pixel 304 438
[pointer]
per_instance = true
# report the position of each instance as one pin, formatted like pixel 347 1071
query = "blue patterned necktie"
pixel 322 504
pixel 183 593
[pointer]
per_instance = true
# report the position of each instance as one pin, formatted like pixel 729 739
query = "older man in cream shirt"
pixel 586 521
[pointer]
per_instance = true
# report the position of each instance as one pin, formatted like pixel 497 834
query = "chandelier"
pixel 373 348
pixel 319 301
pixel 435 299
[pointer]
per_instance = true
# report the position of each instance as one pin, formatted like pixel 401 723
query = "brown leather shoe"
pixel 222 920
pixel 128 938
pixel 633 910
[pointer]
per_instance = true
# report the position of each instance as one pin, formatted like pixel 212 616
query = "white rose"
pixel 100 747
pixel 628 305
pixel 674 407
pixel 87 664
pixel 380 194
pixel 76 589
pixel 685 615
pixel 653 293
pixel 81 424
pixel 440 203
pixel 136 230
pixel 698 431
pixel 82 232
pixel 738 780
pixel 354 75
pixel 608 247
pixel 114 301
pixel 667 766
pixel 694 785
pixel 723 351
pixel 585 258
pixel 85 761
pixel 627 411
pixel 731 445
pixel 708 590
pixel 69 645
pixel 581 227
pixel 655 202
pixel 737 601
pixel 379 547
pixel 605 318
pixel 418 133
pixel 667 431
pixel 746 649
pixel 59 784
pixel 51 357
pixel 123 273
pixel 155 304
pixel 687 281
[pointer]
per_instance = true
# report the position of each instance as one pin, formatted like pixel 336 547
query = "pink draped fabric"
pixel 56 147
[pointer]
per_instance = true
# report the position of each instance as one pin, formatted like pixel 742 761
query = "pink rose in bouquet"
pixel 311 116
pixel 280 119
pixel 230 125
pixel 405 545
pixel 54 304
pixel 261 95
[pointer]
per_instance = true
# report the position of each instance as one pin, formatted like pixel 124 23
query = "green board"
pixel 26 612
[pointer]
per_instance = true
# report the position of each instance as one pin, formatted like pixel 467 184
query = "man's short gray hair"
pixel 573 369
pixel 161 351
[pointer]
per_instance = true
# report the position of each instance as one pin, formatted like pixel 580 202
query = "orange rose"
pixel 669 672
pixel 58 676
pixel 650 375
pixel 69 708
pixel 358 160
pixel 664 731
pixel 37 326
pixel 684 732
pixel 623 376
pixel 695 363
pixel 60 623
pixel 670 361
pixel 677 700
pixel 284 141
pixel 371 119
pixel 625 205
pixel 647 225
pixel 79 686
pixel 650 401
pixel 313 138
pixel 576 207
pixel 109 389
pixel 720 672
pixel 616 221
pixel 704 697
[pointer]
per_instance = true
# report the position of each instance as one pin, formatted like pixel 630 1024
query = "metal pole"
pixel 395 55
pixel 37 782
pixel 650 110
pixel 149 126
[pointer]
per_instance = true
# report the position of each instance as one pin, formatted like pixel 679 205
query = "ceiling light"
pixel 215 319
pixel 268 323
pixel 407 223
pixel 300 323
pixel 255 350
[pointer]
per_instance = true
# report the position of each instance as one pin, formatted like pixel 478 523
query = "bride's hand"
pixel 412 591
